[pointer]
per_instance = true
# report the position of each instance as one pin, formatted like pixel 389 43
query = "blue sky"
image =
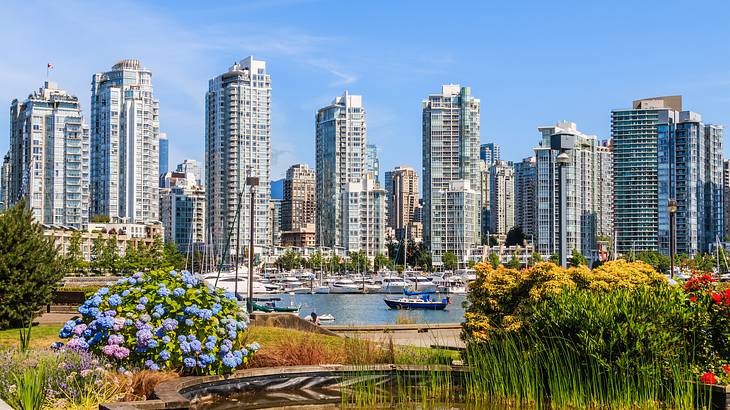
pixel 530 63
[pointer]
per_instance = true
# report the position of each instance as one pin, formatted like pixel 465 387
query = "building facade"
pixel 125 131
pixel 689 171
pixel 238 146
pixel 662 153
pixel 364 221
pixel 5 183
pixel 182 211
pixel 49 158
pixel 372 162
pixel 402 201
pixel 501 198
pixel 568 186
pixel 275 222
pixel 164 153
pixel 489 153
pixel 726 200
pixel 525 196
pixel 451 172
pixel 191 166
pixel 299 205
pixel 341 161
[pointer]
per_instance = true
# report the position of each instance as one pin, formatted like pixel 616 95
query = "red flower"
pixel 708 378
pixel 693 298
pixel 717 297
pixel 726 368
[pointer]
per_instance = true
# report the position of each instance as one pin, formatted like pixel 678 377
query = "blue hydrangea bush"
pixel 163 320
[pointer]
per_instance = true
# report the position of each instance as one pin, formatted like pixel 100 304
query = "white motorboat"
pixel 345 286
pixel 326 318
pixel 421 284
pixel 393 285
pixel 321 289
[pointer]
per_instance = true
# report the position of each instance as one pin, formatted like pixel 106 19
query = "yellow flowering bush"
pixel 502 298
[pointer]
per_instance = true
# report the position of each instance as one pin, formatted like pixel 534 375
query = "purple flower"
pixel 143 337
pixel 116 339
pixel 166 339
pixel 189 362
pixel 121 352
pixel 165 355
pixel 185 347
pixel 163 291
pixel 103 291
pixel 229 360
pixel 78 330
pixel 115 300
pixel 188 322
pixel 178 292
pixel 143 300
pixel 169 324
pixel 140 307
pixel 195 345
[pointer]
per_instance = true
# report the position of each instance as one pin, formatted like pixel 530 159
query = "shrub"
pixel 30 267
pixel 163 320
pixel 502 298
pixel 69 378
pixel 622 328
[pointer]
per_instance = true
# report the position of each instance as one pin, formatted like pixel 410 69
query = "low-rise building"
pixel 125 233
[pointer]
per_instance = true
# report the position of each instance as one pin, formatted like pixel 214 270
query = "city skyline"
pixel 296 50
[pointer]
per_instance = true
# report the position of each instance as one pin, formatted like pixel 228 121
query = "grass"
pixel 41 336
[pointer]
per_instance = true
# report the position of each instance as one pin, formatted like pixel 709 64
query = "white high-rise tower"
pixel 49 157
pixel 341 156
pixel 125 132
pixel 238 146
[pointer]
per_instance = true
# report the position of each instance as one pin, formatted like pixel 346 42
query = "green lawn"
pixel 272 339
pixel 41 336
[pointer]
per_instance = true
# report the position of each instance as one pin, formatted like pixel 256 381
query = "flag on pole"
pixel 50 66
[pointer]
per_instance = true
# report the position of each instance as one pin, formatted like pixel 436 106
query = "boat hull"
pixel 396 304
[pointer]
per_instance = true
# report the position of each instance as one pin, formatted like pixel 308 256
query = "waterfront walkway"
pixel 442 335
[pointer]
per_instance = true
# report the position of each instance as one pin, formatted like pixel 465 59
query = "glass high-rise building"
pixel 489 153
pixel 501 198
pixel 125 130
pixel 451 172
pixel 237 146
pixel 662 153
pixel 341 161
pixel 48 161
pixel 164 153
pixel 525 196
pixel 372 163
pixel 570 186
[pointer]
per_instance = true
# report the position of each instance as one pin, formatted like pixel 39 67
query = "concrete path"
pixel 446 338
pixel 55 318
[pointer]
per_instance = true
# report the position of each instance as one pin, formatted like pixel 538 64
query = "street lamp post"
pixel 672 209
pixel 253 183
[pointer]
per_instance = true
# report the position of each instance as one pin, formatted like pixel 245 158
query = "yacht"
pixel 421 284
pixel 393 285
pixel 344 286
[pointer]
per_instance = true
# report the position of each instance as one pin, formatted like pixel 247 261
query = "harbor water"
pixel 369 309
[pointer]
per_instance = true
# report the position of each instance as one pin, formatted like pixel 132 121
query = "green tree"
pixel 74 260
pixel 289 260
pixel 514 263
pixel 494 260
pixel 380 261
pixel 30 267
pixel 97 254
pixel 577 259
pixel 173 257
pixel 470 264
pixel 423 259
pixel 515 236
pixel 358 262
pixel 451 262
pixel 110 255
pixel 100 219
pixel 315 260
pixel 555 258
pixel 535 258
